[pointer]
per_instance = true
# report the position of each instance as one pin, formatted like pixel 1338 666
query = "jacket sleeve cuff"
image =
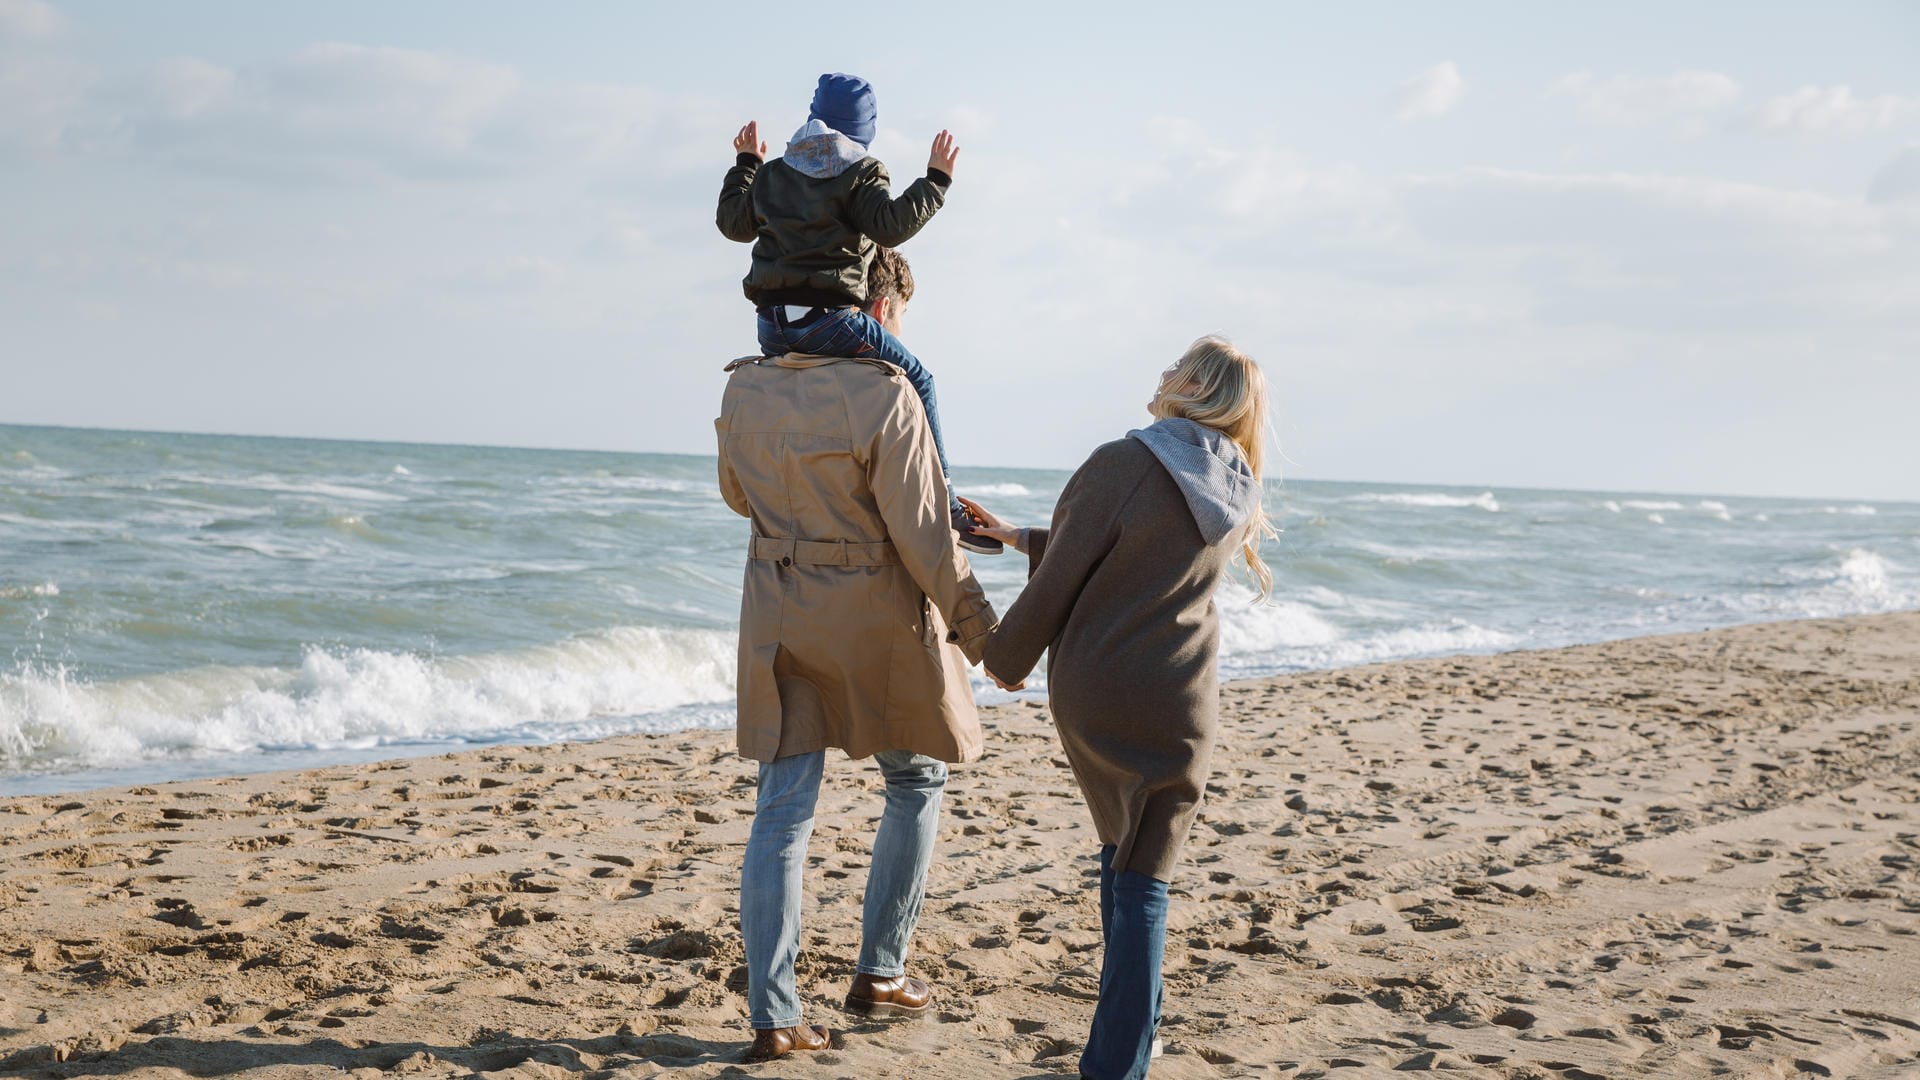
pixel 1035 548
pixel 939 177
pixel 746 160
pixel 971 633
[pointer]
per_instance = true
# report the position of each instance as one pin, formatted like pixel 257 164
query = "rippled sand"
pixel 1673 857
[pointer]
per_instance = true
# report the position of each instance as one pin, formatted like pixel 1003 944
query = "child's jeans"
pixel 850 332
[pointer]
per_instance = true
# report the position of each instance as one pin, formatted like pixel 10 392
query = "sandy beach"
pixel 1682 856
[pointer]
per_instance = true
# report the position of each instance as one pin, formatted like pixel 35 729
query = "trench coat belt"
pixel 822 552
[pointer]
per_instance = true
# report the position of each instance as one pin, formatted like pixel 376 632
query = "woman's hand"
pixel 1021 685
pixel 748 141
pixel 989 524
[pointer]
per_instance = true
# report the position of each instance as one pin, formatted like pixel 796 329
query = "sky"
pixel 1632 246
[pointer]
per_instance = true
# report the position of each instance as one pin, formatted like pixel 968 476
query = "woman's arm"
pixel 1086 522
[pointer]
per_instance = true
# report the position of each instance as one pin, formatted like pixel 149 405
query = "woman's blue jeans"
pixel 772 877
pixel 853 333
pixel 1133 924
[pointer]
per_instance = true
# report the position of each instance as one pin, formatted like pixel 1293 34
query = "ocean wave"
pixel 278 486
pixel 1438 638
pixel 605 481
pixel 1851 582
pixel 589 686
pixel 1483 501
pixel 1652 504
pixel 977 491
pixel 24 592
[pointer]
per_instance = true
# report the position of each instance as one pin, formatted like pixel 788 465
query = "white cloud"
pixel 1753 202
pixel 185 87
pixel 1433 92
pixel 1824 110
pixel 1634 100
pixel 336 111
pixel 28 18
pixel 1898 181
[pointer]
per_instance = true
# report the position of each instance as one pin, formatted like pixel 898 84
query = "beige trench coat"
pixel 859 615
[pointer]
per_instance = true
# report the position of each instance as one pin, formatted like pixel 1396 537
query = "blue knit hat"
pixel 845 104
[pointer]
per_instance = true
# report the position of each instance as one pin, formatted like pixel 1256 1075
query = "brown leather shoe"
pixel 770 1043
pixel 899 996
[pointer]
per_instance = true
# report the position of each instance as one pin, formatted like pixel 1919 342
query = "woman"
pixel 1120 589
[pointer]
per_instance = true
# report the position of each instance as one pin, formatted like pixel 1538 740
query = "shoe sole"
pixel 996 549
pixel 863 1007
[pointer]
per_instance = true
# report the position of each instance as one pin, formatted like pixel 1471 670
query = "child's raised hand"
pixel 945 153
pixel 748 141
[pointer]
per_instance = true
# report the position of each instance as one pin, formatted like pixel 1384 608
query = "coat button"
pixel 786 560
pixel 953 635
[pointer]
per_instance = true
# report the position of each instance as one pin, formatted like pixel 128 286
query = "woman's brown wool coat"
pixel 1121 597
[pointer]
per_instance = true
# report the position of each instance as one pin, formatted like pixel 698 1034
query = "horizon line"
pixel 681 453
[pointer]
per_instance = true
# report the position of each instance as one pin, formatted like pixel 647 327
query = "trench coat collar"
pixel 808 360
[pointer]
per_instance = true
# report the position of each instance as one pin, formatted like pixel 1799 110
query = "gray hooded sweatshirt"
pixel 1212 473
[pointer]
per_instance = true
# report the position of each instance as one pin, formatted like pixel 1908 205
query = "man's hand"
pixel 748 141
pixel 1021 685
pixel 945 154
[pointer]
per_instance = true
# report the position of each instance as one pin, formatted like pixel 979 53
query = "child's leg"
pixel 887 347
pixel 773 333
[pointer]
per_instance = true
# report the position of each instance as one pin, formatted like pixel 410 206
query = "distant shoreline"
pixel 1063 468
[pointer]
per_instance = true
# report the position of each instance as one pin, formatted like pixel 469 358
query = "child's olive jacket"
pixel 814 216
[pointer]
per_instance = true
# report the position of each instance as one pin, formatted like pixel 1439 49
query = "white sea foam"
pixel 402 470
pixel 987 491
pixel 1247 628
pixel 606 481
pixel 1656 519
pixel 588 686
pixel 1483 501
pixel 1285 635
pixel 1851 582
pixel 1611 505
pixel 1716 508
pixel 22 592
pixel 1863 575
pixel 309 488
pixel 1652 504
pixel 1337 650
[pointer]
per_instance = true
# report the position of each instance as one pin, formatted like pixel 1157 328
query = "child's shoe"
pixel 972 541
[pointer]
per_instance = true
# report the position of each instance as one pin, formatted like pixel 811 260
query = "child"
pixel 814 216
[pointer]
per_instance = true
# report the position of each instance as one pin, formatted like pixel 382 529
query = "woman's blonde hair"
pixel 1217 385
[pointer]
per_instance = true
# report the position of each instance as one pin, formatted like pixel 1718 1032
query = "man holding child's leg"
pixel 858 620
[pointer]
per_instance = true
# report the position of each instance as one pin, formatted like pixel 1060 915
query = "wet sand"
pixel 1684 856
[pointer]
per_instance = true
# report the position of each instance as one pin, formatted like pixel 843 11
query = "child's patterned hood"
pixel 818 151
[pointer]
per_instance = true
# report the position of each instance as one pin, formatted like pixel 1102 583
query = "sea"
pixel 183 606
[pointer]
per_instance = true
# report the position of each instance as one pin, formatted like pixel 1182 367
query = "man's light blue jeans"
pixel 771 880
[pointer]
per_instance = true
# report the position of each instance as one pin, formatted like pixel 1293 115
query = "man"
pixel 858 620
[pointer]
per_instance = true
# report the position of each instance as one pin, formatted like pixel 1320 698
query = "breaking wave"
pixel 605 683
